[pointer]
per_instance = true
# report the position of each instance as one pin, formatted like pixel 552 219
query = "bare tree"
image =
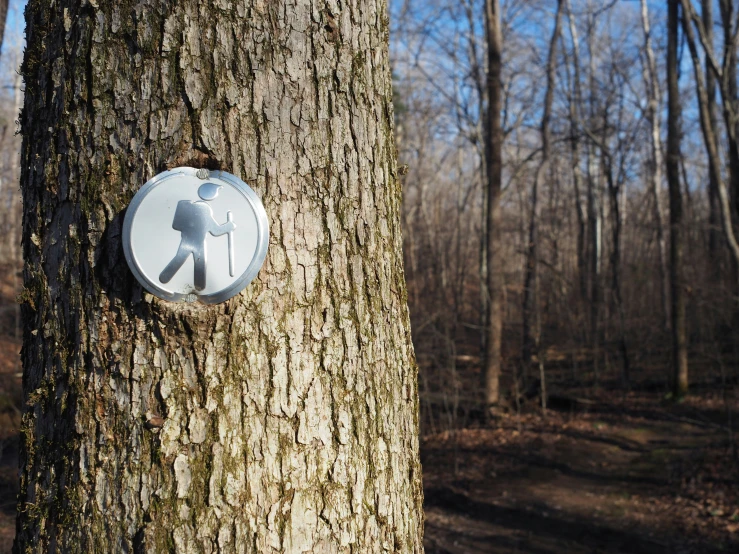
pixel 575 102
pixel 494 167
pixel 730 27
pixel 672 162
pixel 585 273
pixel 710 134
pixel 531 302
pixel 714 202
pixel 594 204
pixel 654 108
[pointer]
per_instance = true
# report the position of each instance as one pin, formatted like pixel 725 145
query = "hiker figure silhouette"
pixel 194 219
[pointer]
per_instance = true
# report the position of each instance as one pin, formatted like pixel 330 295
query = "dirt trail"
pixel 626 479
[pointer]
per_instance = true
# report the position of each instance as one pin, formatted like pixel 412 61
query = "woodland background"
pixel 592 451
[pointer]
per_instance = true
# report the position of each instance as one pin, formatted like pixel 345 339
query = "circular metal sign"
pixel 195 234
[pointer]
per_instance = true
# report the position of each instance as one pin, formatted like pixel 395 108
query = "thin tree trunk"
pixel 478 79
pixel 714 213
pixel 282 421
pixel 679 330
pixel 654 108
pixel 493 167
pixel 531 304
pixel 731 119
pixel 614 190
pixel 731 113
pixel 575 103
pixel 594 216
pixel 731 101
pixel 710 136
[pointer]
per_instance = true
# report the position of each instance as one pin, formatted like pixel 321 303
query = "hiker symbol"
pixel 193 234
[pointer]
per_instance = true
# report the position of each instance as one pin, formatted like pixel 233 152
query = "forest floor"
pixel 631 474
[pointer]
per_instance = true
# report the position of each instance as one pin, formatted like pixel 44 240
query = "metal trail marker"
pixel 172 235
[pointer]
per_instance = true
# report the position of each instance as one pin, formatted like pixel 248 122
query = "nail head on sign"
pixel 195 234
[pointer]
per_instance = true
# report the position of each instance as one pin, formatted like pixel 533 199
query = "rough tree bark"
pixel 284 420
pixel 493 174
pixel 672 165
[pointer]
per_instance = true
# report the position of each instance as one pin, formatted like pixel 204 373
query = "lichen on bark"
pixel 284 420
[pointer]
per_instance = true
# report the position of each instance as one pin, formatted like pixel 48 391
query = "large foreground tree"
pixel 284 420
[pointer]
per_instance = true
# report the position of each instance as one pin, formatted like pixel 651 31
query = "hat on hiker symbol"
pixel 195 234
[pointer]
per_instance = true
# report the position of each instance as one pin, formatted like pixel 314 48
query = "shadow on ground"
pixel 634 476
pixel 534 530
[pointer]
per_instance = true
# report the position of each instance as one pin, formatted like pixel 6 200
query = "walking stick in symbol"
pixel 195 220
pixel 230 246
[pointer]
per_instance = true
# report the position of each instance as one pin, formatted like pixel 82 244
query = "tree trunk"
pixel 575 104
pixel 731 101
pixel 284 420
pixel 477 74
pixel 493 172
pixel 531 316
pixel 731 119
pixel 614 194
pixel 710 135
pixel 714 214
pixel 594 208
pixel 654 108
pixel 679 331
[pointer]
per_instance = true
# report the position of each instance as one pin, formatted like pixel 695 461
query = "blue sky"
pixel 14 26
